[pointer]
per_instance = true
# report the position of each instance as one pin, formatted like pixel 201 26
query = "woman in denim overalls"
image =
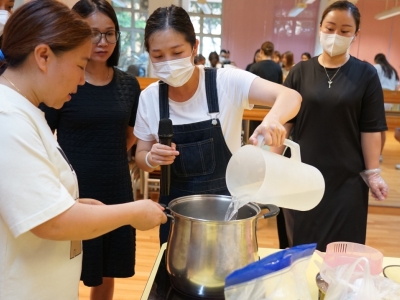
pixel 206 134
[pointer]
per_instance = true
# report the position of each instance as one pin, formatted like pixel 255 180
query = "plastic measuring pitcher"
pixel 271 178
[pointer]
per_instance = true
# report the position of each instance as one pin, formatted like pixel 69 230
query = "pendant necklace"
pixel 330 80
pixel 15 88
pixel 108 74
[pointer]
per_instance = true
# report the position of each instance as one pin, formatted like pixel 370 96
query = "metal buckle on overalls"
pixel 214 117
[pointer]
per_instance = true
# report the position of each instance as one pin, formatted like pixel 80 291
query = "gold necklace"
pixel 108 74
pixel 330 80
pixel 15 88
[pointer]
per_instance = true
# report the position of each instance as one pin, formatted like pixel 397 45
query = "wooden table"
pixel 255 114
pixel 311 273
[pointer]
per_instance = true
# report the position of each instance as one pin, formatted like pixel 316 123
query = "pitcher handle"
pixel 294 147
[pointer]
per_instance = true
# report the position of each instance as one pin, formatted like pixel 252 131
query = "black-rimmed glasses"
pixel 111 36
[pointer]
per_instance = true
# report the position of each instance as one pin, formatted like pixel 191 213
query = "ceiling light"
pixel 388 13
pixel 297 9
pixel 308 1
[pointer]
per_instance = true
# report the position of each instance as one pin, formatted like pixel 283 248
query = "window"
pixel 132 16
pixel 207 22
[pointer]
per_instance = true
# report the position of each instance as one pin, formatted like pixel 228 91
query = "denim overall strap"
pixel 203 153
pixel 211 92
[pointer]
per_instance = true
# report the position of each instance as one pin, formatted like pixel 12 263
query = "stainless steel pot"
pixel 203 248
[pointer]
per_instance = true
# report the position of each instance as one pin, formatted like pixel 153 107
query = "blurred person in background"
pixel 256 59
pixel 390 81
pixel 388 75
pixel 305 56
pixel 339 130
pixel 199 60
pixel 6 8
pixel 213 58
pixel 133 70
pixel 277 57
pixel 287 63
pixel 225 59
pixel 7 5
pixel 266 68
pixel 43 218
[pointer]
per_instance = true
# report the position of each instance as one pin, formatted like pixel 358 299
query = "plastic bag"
pixel 281 275
pixel 349 282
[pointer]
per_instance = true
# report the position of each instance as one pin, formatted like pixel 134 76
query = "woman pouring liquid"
pixel 339 130
pixel 205 106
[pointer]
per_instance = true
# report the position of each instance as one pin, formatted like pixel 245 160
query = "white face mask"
pixel 335 44
pixel 174 72
pixel 4 15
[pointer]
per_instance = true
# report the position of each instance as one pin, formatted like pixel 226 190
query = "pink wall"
pixel 377 36
pixel 247 24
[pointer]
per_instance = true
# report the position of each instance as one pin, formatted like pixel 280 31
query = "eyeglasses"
pixel 111 36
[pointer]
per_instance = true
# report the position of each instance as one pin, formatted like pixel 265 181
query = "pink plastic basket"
pixel 340 253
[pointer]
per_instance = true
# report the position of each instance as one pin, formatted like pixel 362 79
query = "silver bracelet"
pixel 147 161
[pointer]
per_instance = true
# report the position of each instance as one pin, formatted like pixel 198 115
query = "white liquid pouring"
pixel 235 205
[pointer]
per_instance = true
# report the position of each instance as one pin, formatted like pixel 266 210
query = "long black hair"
pixel 255 54
pixel 387 68
pixel 85 8
pixel 173 17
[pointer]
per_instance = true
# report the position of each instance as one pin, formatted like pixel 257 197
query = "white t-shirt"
pixel 387 83
pixel 36 184
pixel 233 87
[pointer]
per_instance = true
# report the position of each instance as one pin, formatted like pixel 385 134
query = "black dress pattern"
pixel 328 129
pixel 91 129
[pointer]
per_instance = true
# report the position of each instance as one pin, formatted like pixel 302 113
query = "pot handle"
pixel 273 210
pixel 166 213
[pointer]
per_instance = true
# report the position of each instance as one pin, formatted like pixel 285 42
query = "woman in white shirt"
pixel 205 106
pixel 287 63
pixel 389 80
pixel 387 74
pixel 42 220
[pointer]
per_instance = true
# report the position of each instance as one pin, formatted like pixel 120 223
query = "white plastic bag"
pixel 347 282
pixel 279 276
